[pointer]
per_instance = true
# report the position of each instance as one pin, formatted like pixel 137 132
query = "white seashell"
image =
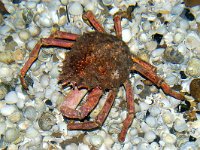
pixel 169 147
pixel 108 141
pixel 192 41
pixel 157 52
pixel 5 72
pixel 71 146
pixel 31 4
pixel 151 45
pixel 64 2
pixel 189 146
pixel 145 127
pixel 15 116
pixel 146 26
pixel 177 9
pixel 11 97
pixel 3 92
pixel 171 79
pixel 168 138
pixel 107 2
pixel 44 81
pixel 2 128
pixel 144 106
pixel 178 37
pixel 184 24
pixel 96 140
pixel 30 113
pixel 142 146
pixel 113 11
pixel 136 140
pixel 82 146
pixel 10 8
pixel 180 125
pixel 34 30
pixel 23 125
pixel 4 30
pixel 154 110
pixel 31 132
pixel 7 110
pixel 182 49
pixel 151 121
pixel 149 136
pixel 45 20
pixel 11 134
pixel 193 67
pixel 24 35
pixel 154 146
pixel 168 117
pixel 31 44
pixel 143 37
pixel 75 8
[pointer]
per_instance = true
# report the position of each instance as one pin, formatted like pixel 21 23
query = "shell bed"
pixel 163 33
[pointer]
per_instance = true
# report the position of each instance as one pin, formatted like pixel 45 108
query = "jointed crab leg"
pixel 99 119
pixel 152 76
pixel 91 18
pixel 35 52
pixel 85 109
pixel 131 111
pixel 64 35
pixel 72 99
pixel 143 63
pixel 117 25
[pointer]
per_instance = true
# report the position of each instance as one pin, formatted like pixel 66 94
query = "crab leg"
pixel 91 18
pixel 143 63
pixel 35 52
pixel 152 76
pixel 64 35
pixel 72 99
pixel 99 119
pixel 117 25
pixel 85 109
pixel 131 111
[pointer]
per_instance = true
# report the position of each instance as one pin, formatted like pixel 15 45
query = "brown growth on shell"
pixel 96 60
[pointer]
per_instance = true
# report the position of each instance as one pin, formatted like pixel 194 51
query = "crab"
pixel 98 62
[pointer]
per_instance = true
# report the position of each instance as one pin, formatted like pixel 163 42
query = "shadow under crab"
pixel 97 62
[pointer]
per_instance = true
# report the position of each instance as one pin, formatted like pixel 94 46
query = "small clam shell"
pixel 75 8
pixel 34 30
pixel 24 35
pixel 3 91
pixel 193 67
pixel 30 113
pixel 96 140
pixel 7 110
pixel 46 121
pixel 11 97
pixel 11 134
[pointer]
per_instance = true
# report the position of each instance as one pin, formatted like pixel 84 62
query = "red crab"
pixel 97 62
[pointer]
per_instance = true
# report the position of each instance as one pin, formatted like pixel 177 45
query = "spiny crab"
pixel 97 62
